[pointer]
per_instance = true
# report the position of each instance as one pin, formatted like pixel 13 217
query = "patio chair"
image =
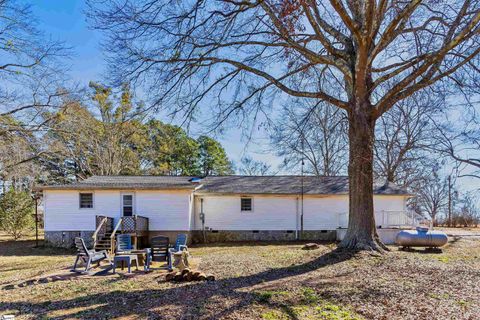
pixel 159 250
pixel 180 243
pixel 88 256
pixel 124 244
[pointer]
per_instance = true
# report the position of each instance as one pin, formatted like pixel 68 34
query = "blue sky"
pixel 65 20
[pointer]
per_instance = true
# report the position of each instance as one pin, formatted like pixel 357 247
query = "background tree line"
pixel 108 135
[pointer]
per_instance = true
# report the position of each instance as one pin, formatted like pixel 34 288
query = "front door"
pixel 127 204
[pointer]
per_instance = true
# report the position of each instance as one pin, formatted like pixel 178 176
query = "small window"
pixel 86 200
pixel 246 204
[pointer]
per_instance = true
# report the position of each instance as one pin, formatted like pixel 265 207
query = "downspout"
pixel 296 218
pixel 193 225
pixel 202 216
pixel 302 189
pixel 36 220
pixel 301 206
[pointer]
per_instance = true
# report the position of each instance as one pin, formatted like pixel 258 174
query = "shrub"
pixel 16 213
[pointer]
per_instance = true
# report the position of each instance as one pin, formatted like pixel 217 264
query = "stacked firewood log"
pixel 188 275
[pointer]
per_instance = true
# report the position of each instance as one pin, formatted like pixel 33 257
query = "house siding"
pixel 223 212
pixel 166 210
pixel 62 212
pixel 269 213
pixel 274 217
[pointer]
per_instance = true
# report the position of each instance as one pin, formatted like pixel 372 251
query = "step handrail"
pixel 112 236
pixel 94 236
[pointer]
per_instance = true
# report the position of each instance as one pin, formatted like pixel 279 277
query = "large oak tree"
pixel 235 54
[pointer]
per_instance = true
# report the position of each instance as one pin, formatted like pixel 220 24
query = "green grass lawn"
pixel 254 281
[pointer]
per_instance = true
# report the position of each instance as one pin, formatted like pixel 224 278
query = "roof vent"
pixel 195 180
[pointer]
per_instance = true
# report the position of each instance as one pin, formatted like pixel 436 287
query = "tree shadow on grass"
pixel 27 248
pixel 187 300
pixel 237 244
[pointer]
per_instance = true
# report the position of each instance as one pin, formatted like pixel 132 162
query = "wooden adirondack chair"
pixel 159 252
pixel 88 256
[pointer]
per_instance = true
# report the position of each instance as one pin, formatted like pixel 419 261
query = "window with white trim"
pixel 127 205
pixel 246 204
pixel 86 200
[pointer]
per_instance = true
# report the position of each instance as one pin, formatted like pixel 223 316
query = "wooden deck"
pixel 106 230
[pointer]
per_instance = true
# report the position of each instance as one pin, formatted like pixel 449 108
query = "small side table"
pixel 145 256
pixel 128 258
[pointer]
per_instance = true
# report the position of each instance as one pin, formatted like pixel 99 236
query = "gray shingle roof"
pixel 288 185
pixel 230 184
pixel 127 182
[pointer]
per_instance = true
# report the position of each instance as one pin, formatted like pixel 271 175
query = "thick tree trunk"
pixel 361 233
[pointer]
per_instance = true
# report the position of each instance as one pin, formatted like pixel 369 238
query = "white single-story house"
pixel 216 208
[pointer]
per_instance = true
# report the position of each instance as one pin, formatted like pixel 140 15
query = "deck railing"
pixel 136 225
pixel 103 225
pixel 385 219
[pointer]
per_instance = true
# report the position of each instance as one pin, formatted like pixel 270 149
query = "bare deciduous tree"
pixel 431 196
pixel 404 137
pixel 252 167
pixel 234 55
pixel 31 68
pixel 469 214
pixel 459 139
pixel 314 132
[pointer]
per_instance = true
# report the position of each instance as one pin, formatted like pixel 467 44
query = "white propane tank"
pixel 421 237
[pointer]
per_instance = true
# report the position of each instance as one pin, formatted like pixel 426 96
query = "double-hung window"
pixel 86 200
pixel 246 204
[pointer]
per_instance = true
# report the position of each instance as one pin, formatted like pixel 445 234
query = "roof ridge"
pixel 231 175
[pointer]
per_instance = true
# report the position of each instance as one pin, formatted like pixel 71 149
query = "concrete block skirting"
pixel 386 235
pixel 260 235
pixel 66 239
pixel 172 235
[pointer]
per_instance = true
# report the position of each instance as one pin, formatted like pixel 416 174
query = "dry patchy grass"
pixel 263 281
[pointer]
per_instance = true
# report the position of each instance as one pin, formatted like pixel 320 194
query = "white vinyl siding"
pixel 166 210
pixel 282 212
pixel 224 213
pixel 174 210
pixel 62 212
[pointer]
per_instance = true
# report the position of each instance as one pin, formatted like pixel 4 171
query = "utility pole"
pixel 449 200
pixel 35 197
pixel 302 190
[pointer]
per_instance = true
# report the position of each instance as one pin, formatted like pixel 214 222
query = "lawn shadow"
pixel 183 298
pixel 28 248
pixel 239 244
pixel 422 250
